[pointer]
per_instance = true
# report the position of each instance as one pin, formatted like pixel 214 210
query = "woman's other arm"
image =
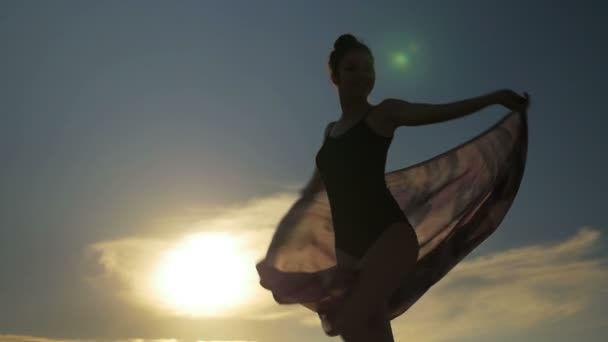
pixel 403 113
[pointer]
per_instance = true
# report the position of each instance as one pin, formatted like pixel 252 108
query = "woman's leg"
pixel 382 269
pixel 378 329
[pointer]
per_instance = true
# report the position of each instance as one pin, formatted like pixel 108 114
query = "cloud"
pixel 505 292
pixel 509 292
pixel 125 266
pixel 17 338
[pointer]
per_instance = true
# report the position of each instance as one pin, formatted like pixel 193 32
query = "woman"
pixel 375 242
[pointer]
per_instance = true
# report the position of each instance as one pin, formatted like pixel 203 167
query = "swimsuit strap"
pixel 330 126
pixel 367 113
pixel 363 117
pixel 328 129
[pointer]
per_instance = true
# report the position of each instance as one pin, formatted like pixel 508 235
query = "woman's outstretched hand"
pixel 513 100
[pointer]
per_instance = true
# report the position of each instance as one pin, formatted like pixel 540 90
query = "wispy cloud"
pixel 509 292
pixel 17 338
pixel 505 292
pixel 128 264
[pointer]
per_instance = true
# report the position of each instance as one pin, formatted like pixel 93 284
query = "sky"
pixel 133 131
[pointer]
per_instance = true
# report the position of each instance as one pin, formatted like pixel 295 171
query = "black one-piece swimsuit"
pixel 351 166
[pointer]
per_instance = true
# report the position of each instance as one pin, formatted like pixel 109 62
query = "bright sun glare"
pixel 204 275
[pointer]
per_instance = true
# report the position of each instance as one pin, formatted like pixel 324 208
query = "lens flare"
pixel 400 60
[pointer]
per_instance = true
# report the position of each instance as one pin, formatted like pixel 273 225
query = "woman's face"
pixel 356 74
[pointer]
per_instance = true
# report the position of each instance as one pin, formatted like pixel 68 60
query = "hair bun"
pixel 345 40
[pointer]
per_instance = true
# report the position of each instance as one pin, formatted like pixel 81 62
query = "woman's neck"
pixel 353 109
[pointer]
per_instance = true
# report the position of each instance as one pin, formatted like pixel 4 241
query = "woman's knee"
pixel 373 316
pixel 375 327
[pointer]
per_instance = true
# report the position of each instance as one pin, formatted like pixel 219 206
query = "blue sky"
pixel 127 126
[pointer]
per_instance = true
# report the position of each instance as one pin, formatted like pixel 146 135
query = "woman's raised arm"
pixel 403 113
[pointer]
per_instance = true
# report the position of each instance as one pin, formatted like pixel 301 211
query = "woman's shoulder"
pixel 382 107
pixel 382 117
pixel 385 105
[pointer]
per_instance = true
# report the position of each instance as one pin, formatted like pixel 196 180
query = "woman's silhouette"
pixel 382 263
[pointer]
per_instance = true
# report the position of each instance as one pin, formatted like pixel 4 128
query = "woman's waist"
pixel 359 196
pixel 360 188
pixel 368 210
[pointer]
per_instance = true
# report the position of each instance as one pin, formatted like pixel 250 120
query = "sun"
pixel 204 275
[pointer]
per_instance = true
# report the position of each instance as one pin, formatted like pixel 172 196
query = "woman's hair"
pixel 344 44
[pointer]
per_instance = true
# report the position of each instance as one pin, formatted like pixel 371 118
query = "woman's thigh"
pixel 385 265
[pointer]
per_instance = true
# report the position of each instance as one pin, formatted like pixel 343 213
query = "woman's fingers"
pixel 517 102
pixel 524 102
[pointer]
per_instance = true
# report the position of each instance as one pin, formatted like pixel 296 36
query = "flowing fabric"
pixel 454 201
